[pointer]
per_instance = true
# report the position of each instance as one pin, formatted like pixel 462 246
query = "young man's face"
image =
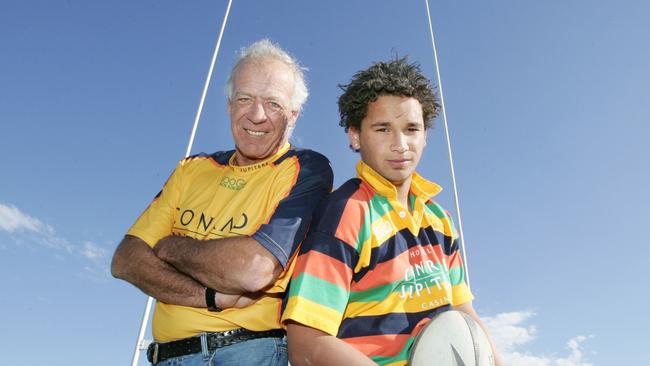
pixel 260 110
pixel 392 137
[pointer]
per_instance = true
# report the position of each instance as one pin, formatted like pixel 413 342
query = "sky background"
pixel 548 109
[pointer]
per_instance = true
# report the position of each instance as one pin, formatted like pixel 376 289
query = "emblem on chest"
pixel 424 276
pixel 201 223
pixel 234 183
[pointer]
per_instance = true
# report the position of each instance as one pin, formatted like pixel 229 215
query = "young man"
pixel 215 247
pixel 381 257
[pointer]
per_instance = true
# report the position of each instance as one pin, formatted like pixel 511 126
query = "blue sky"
pixel 548 106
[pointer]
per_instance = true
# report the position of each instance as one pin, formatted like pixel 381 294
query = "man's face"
pixel 260 110
pixel 392 137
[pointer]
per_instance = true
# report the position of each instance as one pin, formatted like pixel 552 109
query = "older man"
pixel 215 246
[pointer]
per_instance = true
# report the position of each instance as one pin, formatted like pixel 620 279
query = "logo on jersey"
pixel 233 183
pixel 200 223
pixel 427 279
pixel 382 230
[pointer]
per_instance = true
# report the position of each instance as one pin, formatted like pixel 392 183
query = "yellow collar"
pixel 420 187
pixel 250 168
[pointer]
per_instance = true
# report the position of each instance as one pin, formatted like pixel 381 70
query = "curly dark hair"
pixel 398 78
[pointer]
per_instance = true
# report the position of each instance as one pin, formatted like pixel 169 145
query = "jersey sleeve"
pixel 320 285
pixel 288 224
pixel 157 220
pixel 459 288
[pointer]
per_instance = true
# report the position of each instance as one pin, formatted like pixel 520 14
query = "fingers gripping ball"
pixel 451 338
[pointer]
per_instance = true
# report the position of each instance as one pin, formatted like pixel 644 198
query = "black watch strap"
pixel 209 300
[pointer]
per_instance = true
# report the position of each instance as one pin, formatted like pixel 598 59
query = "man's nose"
pixel 256 113
pixel 399 143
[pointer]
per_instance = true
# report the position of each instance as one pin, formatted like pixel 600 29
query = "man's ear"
pixel 293 117
pixel 353 136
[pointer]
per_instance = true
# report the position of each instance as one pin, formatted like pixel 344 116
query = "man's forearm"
pixel 135 262
pixel 312 347
pixel 231 265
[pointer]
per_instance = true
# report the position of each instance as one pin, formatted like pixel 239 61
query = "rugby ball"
pixel 451 338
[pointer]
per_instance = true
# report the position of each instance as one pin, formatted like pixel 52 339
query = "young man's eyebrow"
pixel 415 124
pixel 388 124
pixel 380 124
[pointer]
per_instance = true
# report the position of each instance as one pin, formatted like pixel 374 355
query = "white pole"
pixel 141 344
pixel 207 81
pixel 451 159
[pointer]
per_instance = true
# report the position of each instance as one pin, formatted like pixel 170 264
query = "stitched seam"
pixel 270 239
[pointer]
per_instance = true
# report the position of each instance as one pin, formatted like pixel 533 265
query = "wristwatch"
pixel 209 300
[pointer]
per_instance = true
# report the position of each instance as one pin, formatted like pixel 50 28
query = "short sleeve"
pixel 157 220
pixel 288 224
pixel 320 285
pixel 460 290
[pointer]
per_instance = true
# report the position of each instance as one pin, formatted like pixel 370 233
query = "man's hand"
pixel 468 309
pixel 167 246
pixel 225 301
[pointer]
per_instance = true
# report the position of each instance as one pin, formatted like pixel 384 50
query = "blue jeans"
pixel 255 352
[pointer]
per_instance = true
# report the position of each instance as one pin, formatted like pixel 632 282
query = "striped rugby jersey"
pixel 207 197
pixel 371 272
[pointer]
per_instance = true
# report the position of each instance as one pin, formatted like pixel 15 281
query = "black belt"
pixel 158 352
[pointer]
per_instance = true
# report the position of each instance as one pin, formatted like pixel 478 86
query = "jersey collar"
pixel 253 167
pixel 420 187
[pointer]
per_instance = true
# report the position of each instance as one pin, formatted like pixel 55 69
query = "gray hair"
pixel 266 49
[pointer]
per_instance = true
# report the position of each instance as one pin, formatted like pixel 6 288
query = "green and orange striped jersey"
pixel 373 272
pixel 207 197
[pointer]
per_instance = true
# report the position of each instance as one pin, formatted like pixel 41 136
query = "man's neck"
pixel 403 192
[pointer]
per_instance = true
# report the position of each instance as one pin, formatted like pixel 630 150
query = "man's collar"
pixel 420 187
pixel 252 167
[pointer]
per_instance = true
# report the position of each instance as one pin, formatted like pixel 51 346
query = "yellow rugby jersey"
pixel 207 197
pixel 371 272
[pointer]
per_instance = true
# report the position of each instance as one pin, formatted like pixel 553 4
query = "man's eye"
pixel 274 106
pixel 382 129
pixel 243 100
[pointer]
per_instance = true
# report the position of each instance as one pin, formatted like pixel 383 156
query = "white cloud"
pixel 577 355
pixel 511 333
pixel 12 219
pixel 507 329
pixel 92 251
pixel 27 229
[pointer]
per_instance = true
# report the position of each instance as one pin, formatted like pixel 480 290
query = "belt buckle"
pixel 152 352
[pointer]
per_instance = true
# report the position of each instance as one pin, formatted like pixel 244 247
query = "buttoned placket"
pixel 412 219
pixel 421 190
